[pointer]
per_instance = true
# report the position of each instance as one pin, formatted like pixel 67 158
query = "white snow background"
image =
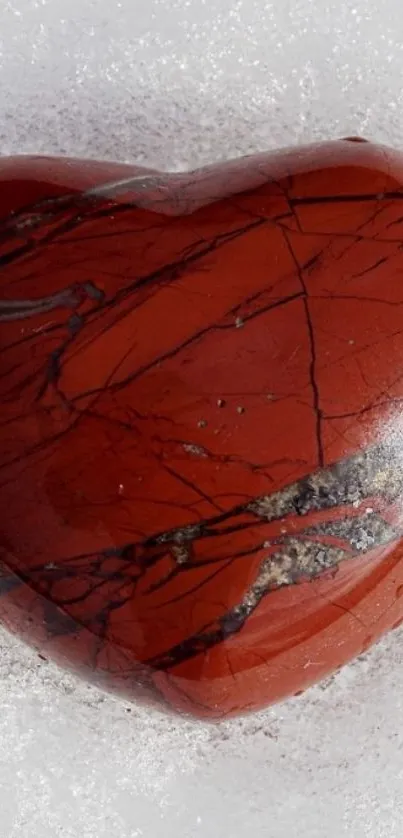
pixel 175 83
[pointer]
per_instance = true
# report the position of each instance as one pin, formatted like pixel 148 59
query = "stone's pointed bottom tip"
pixel 201 435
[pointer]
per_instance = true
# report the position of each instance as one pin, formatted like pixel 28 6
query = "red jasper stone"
pixel 201 438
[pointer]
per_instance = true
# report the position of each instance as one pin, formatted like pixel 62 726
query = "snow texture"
pixel 176 83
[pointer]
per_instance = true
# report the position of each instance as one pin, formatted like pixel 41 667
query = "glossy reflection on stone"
pixel 201 450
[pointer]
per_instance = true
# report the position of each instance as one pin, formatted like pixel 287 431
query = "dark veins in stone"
pixel 289 559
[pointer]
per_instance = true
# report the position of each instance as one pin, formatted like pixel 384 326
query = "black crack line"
pixel 42 213
pixel 313 362
pixel 43 445
pixel 190 485
pixel 373 406
pixel 358 299
pixel 70 298
pixel 207 453
pixel 44 209
pixel 223 563
pixel 311 534
pixel 211 635
pixel 168 272
pixel 232 622
pixel 371 268
pixel 315 388
pixel 110 386
pixel 228 624
pixel 93 588
pixel 394 223
pixel 130 231
pixel 355 352
pixel 345 199
pixel 273 304
pixel 172 270
pixel 382 400
pixel 63 203
pixel 8 258
pixel 32 246
pixel 285 191
pixel 338 479
pixel 256 296
pixel 67 225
